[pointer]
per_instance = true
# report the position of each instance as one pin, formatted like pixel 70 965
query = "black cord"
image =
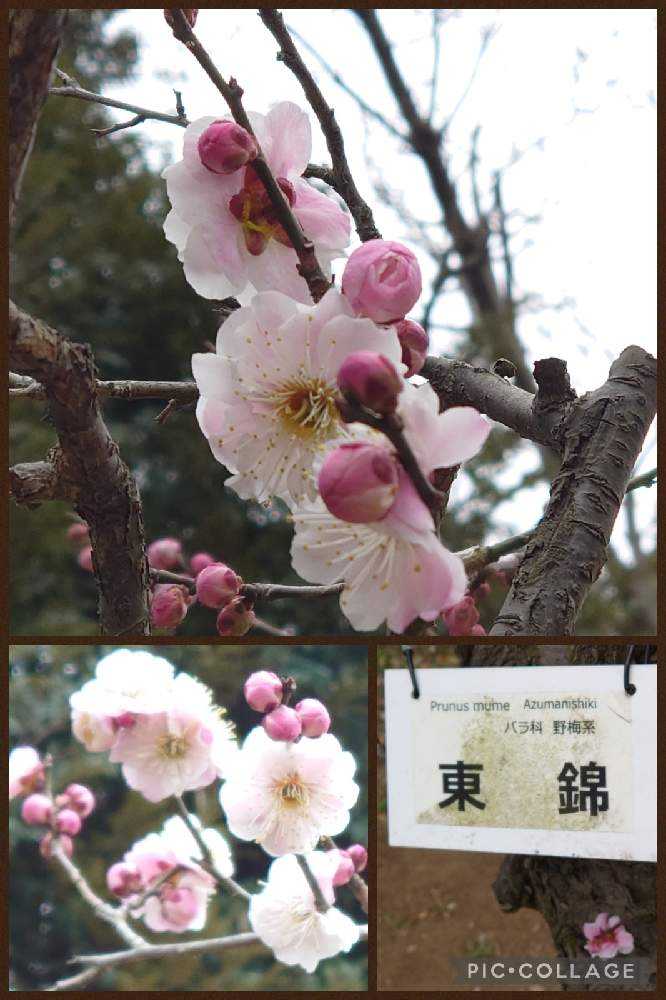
pixel 409 656
pixel 630 688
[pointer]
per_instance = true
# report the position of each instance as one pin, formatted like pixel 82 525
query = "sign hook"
pixel 409 656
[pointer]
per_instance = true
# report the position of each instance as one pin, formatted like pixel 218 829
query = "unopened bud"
pixel 37 810
pixel 224 147
pixel 199 561
pixel 79 798
pixel 358 482
pixel 282 724
pixel 263 691
pixel 359 856
pixel 169 603
pixel 48 842
pixel 462 617
pixel 165 553
pixel 123 880
pixel 78 533
pixel 382 280
pixel 69 822
pixel 84 559
pixel 217 585
pixel 314 717
pixel 414 342
pixel 235 618
pixel 345 869
pixel 190 15
pixel 370 379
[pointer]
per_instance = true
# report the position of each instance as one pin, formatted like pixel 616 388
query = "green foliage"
pixel 48 920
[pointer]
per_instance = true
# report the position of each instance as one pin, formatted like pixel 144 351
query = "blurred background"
pixel 49 922
pixel 547 123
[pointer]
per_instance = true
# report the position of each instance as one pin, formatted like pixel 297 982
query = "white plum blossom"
pixel 225 227
pixel 394 569
pixel 284 914
pixel 176 835
pixel 26 771
pixel 267 396
pixel 285 796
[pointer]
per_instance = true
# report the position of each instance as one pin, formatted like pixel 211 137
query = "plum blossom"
pixel 267 396
pixel 607 936
pixel 284 915
pixel 286 796
pixel 26 771
pixel 167 862
pixel 224 226
pixel 394 569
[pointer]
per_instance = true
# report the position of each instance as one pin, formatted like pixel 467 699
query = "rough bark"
pixel 34 39
pixel 601 435
pixel 571 891
pixel 86 468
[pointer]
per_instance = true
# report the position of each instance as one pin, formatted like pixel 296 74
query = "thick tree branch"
pixel 32 483
pixel 308 266
pixel 343 182
pixel 34 39
pixel 89 469
pixel 602 436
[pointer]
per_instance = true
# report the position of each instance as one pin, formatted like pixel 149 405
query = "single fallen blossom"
pixel 267 396
pixel 607 937
pixel 285 915
pixel 26 771
pixel 225 227
pixel 285 796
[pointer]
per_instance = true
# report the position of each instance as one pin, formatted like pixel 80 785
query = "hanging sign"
pixel 524 760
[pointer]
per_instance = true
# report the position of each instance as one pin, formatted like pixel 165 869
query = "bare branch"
pixel 33 483
pixel 72 89
pixel 308 267
pixel 341 174
pixel 208 863
pixel 320 903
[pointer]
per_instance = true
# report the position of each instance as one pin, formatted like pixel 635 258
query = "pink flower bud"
pixel 179 906
pixel 370 379
pixel 47 844
pixel 78 533
pixel 235 618
pixel 314 717
pixel 69 822
pixel 263 691
pixel 37 810
pixel 199 561
pixel 358 482
pixel 191 16
pixel 461 618
pixel 382 280
pixel 282 724
pixel 165 553
pixel 79 798
pixel 414 342
pixel 359 856
pixel 169 603
pixel 477 630
pixel 124 880
pixel 225 147
pixel 482 590
pixel 217 585
pixel 345 869
pixel 84 559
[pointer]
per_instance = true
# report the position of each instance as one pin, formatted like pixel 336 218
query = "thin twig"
pixel 224 880
pixel 320 903
pixel 308 266
pixel 73 89
pixel 77 981
pixel 342 180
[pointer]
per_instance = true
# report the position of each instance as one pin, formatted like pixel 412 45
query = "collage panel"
pixel 188 818
pixel 517 817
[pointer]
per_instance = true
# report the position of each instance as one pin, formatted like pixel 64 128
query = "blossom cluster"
pixel 287 788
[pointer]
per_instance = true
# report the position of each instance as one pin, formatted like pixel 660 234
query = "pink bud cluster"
pixel 79 536
pixel 351 861
pixel 463 618
pixel 267 693
pixel 63 815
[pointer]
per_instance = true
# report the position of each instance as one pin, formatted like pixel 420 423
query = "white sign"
pixel 525 760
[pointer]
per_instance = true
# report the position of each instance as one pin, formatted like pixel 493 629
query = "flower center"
pixel 292 792
pixel 306 407
pixel 172 747
pixel 253 209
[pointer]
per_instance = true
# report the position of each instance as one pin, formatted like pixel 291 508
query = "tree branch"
pixel 602 435
pixel 227 883
pixel 88 468
pixel 320 903
pixel 72 89
pixel 308 266
pixel 343 182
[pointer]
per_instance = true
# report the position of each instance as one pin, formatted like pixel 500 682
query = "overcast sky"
pixel 585 80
